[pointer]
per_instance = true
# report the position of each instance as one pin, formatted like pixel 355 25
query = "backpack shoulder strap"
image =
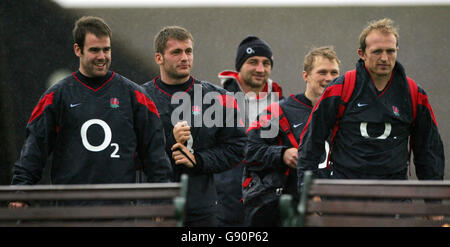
pixel 414 93
pixel 285 126
pixel 346 94
pixel 347 90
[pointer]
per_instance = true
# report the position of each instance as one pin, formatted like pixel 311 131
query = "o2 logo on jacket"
pixel 327 150
pixel 387 131
pixel 106 142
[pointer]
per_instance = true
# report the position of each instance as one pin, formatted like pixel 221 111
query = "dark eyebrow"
pixel 98 48
pixel 177 50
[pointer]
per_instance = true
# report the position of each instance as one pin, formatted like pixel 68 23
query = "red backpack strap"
pixel 346 94
pixel 347 90
pixel 414 93
pixel 285 126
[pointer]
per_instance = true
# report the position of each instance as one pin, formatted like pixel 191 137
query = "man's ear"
pixel 360 53
pixel 159 59
pixel 77 50
pixel 305 76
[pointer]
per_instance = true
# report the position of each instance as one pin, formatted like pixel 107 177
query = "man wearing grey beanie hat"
pixel 253 64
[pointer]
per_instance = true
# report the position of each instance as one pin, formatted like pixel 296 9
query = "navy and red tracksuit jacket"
pixel 229 183
pixel 265 173
pixel 216 148
pixel 371 141
pixel 93 133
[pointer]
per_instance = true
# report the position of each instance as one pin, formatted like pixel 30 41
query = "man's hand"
pixel 181 132
pixel 290 157
pixel 17 205
pixel 180 158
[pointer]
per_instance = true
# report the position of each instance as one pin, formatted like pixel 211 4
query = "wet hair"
pixel 324 51
pixel 89 24
pixel 385 25
pixel 170 32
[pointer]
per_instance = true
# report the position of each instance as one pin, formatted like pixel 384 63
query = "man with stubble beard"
pixel 196 148
pixel 251 82
pixel 93 121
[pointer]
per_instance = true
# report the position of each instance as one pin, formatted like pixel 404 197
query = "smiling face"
pixel 255 72
pixel 95 58
pixel 323 72
pixel 380 53
pixel 176 62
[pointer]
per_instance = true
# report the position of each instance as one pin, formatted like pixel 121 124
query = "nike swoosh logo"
pixel 74 105
pixel 296 125
pixel 361 105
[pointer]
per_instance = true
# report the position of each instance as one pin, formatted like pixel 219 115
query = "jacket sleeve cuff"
pixel 283 149
pixel 198 166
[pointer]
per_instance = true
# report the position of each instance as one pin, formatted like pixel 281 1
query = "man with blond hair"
pixel 373 112
pixel 271 162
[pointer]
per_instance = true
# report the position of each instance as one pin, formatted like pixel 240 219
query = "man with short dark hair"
pixel 93 121
pixel 202 124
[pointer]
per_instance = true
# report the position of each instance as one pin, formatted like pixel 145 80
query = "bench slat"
pixel 354 221
pixel 381 191
pixel 115 223
pixel 363 182
pixel 86 212
pixel 89 195
pixel 378 208
pixel 91 187
pixel 372 203
pixel 169 204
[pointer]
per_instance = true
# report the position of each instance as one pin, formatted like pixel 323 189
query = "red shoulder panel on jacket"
pixel 39 109
pixel 227 101
pixel 144 100
pixel 423 100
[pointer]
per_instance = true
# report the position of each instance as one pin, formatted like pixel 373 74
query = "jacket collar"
pixel 361 70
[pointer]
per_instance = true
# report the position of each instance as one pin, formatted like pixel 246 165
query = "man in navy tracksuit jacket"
pixel 371 141
pixel 196 147
pixel 93 121
pixel 251 82
pixel 271 161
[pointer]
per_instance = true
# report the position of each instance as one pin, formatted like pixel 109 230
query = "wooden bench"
pixel 156 204
pixel 370 203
